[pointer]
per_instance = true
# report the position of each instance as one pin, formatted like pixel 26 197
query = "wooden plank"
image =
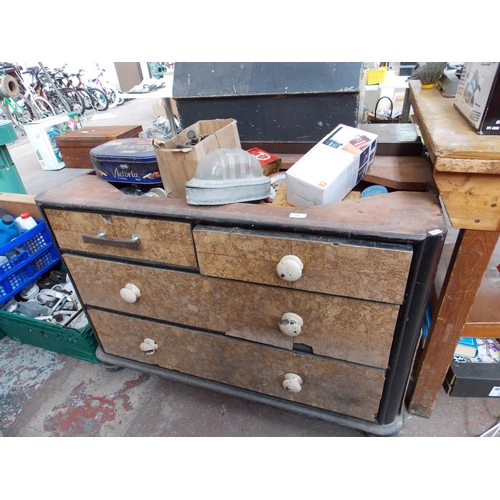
pixel 401 214
pixel 484 317
pixel 467 267
pixel 471 200
pixel 447 134
pixel 16 204
pixel 410 173
pixel 336 386
pixel 331 265
pixel 339 327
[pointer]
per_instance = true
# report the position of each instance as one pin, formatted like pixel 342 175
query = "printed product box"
pixel 42 136
pixel 327 172
pixel 178 164
pixel 478 96
pixel 270 163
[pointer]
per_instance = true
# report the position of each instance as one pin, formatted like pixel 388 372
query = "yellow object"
pixel 376 76
pixel 428 85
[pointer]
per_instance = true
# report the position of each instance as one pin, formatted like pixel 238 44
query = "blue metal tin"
pixel 131 160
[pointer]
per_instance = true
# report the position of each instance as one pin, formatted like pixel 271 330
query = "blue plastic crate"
pixel 35 253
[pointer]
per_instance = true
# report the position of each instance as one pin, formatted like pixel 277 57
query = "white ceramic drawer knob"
pixel 291 324
pixel 289 268
pixel 149 346
pixel 292 382
pixel 130 293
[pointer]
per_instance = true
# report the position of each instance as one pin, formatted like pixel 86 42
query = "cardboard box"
pixel 42 136
pixel 270 163
pixel 331 168
pixel 178 165
pixel 478 96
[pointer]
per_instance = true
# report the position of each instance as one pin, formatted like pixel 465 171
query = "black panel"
pixel 294 118
pixel 214 79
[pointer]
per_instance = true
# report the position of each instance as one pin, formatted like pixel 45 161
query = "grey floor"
pixel 47 394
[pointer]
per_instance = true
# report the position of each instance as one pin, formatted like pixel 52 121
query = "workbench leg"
pixel 471 257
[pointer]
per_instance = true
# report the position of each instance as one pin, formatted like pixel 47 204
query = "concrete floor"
pixel 48 394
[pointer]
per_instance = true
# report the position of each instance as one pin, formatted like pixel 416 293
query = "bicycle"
pixel 13 106
pixel 64 84
pixel 99 101
pixel 41 107
pixel 113 95
pixel 42 87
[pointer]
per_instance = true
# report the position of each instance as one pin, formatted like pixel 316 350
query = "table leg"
pixel 471 257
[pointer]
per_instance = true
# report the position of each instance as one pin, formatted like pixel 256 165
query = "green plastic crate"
pixel 80 344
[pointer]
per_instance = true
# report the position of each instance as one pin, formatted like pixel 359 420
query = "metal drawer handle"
pixel 292 382
pixel 102 239
pixel 291 324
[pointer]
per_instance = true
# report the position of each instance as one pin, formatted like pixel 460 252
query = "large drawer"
pixel 330 265
pixel 160 241
pixel 336 386
pixel 349 329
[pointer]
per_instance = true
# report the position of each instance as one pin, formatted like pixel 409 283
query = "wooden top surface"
pixel 404 214
pixel 453 144
pixel 91 133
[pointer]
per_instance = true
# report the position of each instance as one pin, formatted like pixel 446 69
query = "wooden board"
pixel 332 385
pixel 454 146
pixel 331 265
pixel 472 200
pixel 353 330
pixel 15 204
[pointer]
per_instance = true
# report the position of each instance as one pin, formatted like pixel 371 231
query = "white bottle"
pixel 25 222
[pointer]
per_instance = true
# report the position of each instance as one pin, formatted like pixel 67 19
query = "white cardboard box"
pixel 331 168
pixel 478 96
pixel 42 136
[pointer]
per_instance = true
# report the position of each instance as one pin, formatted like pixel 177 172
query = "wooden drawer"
pixel 160 241
pixel 330 265
pixel 339 327
pixel 332 385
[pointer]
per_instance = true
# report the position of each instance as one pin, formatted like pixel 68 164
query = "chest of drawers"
pixel 314 310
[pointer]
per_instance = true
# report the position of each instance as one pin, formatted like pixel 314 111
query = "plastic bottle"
pixel 8 229
pixel 25 222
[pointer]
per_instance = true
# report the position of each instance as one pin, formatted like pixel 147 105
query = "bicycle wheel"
pixel 75 100
pixel 20 113
pixel 99 99
pixel 112 96
pixel 42 107
pixel 87 98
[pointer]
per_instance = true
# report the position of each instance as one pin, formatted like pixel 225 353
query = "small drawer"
pixel 159 241
pixel 332 385
pixel 368 270
pixel 338 327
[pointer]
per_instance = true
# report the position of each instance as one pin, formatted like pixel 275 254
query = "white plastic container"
pixel 25 222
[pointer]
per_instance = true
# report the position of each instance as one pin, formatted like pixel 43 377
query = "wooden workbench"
pixel 466 169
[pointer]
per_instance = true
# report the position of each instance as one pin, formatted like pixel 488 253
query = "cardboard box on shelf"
pixel 331 168
pixel 178 164
pixel 478 96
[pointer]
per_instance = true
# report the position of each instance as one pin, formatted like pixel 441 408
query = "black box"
pixel 273 103
pixel 476 380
